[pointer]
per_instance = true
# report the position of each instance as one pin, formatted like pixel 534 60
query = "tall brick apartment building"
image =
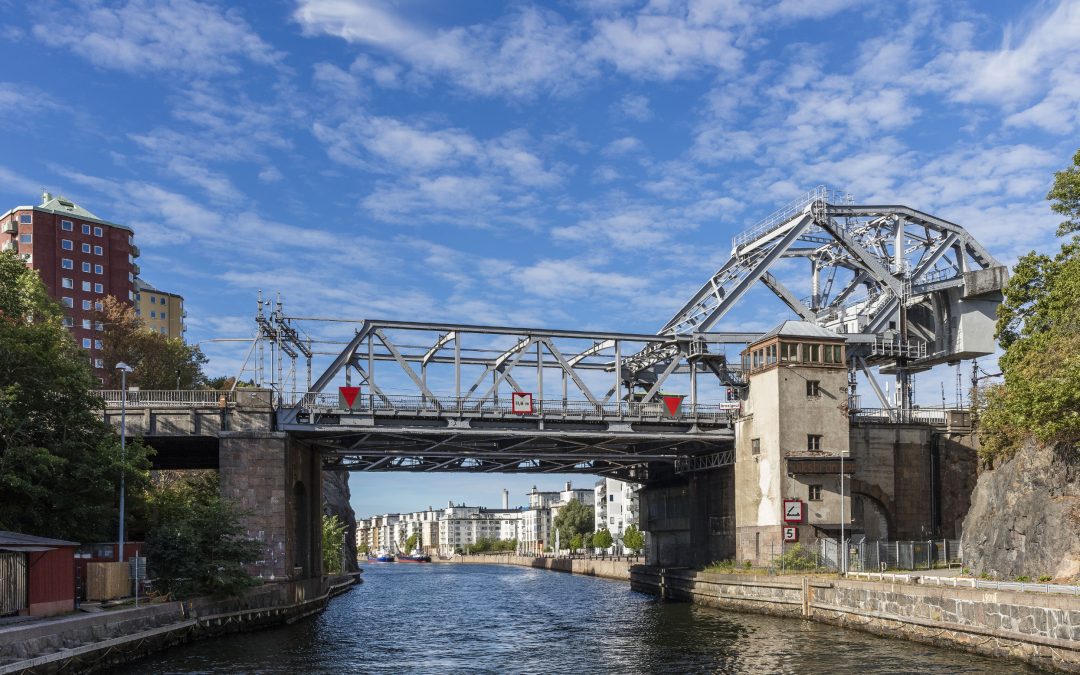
pixel 80 257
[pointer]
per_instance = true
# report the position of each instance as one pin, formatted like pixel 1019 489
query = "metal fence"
pixel 166 398
pixel 879 556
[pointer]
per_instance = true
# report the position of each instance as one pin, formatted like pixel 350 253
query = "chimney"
pixel 506 499
pixel 45 197
pixel 568 486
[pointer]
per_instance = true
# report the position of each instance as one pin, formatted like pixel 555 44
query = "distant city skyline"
pixel 569 165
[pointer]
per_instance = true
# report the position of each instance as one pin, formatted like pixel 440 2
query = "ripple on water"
pixel 497 619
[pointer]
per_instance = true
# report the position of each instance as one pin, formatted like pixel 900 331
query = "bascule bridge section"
pixel 722 426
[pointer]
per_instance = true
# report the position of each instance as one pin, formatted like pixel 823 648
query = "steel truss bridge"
pixel 908 290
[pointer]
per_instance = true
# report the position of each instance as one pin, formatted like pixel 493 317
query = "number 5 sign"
pixel 793 511
pixel 791 533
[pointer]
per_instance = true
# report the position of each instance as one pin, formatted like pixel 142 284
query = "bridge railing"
pixel 932 416
pixel 449 405
pixel 166 398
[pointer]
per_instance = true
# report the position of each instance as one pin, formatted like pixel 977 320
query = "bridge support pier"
pixel 691 520
pixel 277 482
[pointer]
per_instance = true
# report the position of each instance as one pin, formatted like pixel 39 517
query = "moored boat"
pixel 417 556
pixel 380 556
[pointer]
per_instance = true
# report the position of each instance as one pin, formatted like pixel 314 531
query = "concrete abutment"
pixel 276 481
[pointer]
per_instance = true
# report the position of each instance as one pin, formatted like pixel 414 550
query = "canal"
pixel 501 619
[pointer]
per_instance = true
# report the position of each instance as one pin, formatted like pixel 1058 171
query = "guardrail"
pixel 459 406
pixel 936 417
pixel 968 582
pixel 167 398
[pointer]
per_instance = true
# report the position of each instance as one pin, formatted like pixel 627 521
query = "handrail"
pixel 166 398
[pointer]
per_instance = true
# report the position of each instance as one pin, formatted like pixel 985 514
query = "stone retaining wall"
pixel 1038 628
pixel 593 567
pixel 88 642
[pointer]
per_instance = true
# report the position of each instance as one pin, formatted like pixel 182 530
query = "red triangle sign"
pixel 673 403
pixel 347 395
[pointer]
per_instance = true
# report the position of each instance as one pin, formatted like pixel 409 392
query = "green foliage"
pixel 721 566
pixel 1038 328
pixel 602 539
pixel 412 541
pixel 60 464
pixel 486 545
pixel 159 362
pixel 1023 578
pixel 576 541
pixel 796 558
pixel 333 539
pixel 574 518
pixel 1044 578
pixel 633 539
pixel 1066 197
pixel 362 549
pixel 197 546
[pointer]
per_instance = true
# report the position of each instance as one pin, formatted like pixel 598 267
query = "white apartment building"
pixel 616 508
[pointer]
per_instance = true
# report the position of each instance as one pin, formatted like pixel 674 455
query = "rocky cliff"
pixel 1025 516
pixel 336 498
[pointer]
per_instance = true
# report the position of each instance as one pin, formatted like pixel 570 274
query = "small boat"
pixel 417 556
pixel 380 556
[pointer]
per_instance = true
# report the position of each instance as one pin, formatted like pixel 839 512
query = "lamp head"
pixel 123 367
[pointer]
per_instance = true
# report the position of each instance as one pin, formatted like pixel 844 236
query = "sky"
pixel 556 164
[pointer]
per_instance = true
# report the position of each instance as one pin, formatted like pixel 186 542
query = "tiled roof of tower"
pixel 63 206
pixel 801 329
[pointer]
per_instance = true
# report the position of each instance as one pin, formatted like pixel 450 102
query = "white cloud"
pixel 664 47
pixel 621 146
pixel 633 106
pixel 157 36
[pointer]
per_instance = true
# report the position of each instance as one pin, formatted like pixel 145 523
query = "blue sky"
pixel 564 164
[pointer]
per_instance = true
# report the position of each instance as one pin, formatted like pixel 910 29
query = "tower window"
pixel 813 443
pixel 813 389
pixel 815 493
pixel 755 446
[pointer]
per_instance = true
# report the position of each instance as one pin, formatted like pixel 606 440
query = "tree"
pixel 1065 195
pixel 574 518
pixel 333 542
pixel 159 362
pixel 633 539
pixel 576 541
pixel 412 541
pixel 60 464
pixel 1039 331
pixel 198 546
pixel 602 539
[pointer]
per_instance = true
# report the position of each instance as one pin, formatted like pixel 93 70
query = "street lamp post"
pixel 124 370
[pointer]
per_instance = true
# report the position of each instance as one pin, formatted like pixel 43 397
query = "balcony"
pixel 135 253
pixel 10 227
pixel 11 245
pixel 135 269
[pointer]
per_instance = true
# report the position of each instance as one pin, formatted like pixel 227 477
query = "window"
pixel 611 520
pixel 67 245
pixel 69 322
pixel 97 344
pixel 813 443
pixel 838 353
pixel 98 269
pixel 153 314
pixel 86 304
pixel 98 288
pixel 67 283
pixel 770 354
pixel 138 312
pixel 131 277
pixel 815 493
pixel 98 363
pixel 85 229
pixel 813 389
pixel 97 231
pixel 99 326
pixel 97 250
pixel 153 300
pixel 86 267
pixel 755 446
pixel 86 343
pixel 611 498
pixel 86 323
pixel 67 263
pixel 25 219
pixel 161 301
pixel 86 248
pixel 97 305
pixel 66 225
pixel 67 302
pixel 25 238
pixel 811 353
pixel 86 286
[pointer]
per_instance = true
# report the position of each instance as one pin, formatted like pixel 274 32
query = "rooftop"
pixel 802 329
pixel 19 539
pixel 63 206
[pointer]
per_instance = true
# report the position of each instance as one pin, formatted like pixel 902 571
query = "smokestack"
pixel 45 197
pixel 568 486
pixel 506 499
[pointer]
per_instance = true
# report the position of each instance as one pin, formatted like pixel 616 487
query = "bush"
pixel 796 558
pixel 1023 578
pixel 1044 578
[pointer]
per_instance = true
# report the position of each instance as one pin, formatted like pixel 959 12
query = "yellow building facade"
pixel 161 311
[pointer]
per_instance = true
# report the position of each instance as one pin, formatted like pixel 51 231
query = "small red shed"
pixel 49 569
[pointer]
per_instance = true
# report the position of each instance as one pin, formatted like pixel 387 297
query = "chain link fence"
pixel 824 555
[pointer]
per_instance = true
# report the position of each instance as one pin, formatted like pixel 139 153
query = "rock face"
pixel 1025 516
pixel 336 497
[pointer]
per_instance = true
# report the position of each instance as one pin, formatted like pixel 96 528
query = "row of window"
pixel 69 245
pixel 153 314
pixel 86 304
pixel 67 226
pixel 67 282
pixel 813 444
pixel 97 363
pixel 87 342
pixel 796 352
pixel 69 264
